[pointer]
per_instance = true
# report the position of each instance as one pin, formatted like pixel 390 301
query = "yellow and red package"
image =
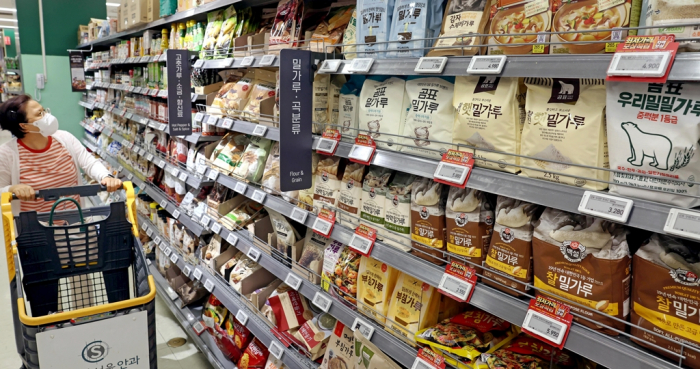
pixel 215 310
pixel 254 356
pixel 291 309
pixel 226 344
pixel 240 334
pixel 480 320
pixel 527 352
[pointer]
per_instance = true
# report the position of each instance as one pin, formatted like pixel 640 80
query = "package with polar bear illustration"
pixel 510 252
pixel 469 217
pixel 383 108
pixel 428 200
pixel 675 265
pixel 489 116
pixel 565 131
pixel 656 131
pixel 585 260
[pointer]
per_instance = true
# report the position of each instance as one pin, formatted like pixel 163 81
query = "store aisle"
pixel 186 356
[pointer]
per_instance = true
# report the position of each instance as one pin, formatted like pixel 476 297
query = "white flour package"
pixel 655 128
pixel 373 23
pixel 349 101
pixel 413 20
pixel 430 116
pixel 383 108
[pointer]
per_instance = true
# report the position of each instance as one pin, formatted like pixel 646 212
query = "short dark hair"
pixel 12 113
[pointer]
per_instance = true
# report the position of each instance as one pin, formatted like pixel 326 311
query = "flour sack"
pixel 383 109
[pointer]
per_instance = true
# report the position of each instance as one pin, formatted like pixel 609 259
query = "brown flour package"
pixel 469 217
pixel 397 206
pixel 329 173
pixel 339 354
pixel 585 260
pixel 350 195
pixel 428 219
pixel 510 251
pixel 310 262
pixel 670 300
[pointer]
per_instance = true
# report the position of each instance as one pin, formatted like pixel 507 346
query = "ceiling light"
pixel 8 10
pixel 4 26
pixel 8 20
pixel 113 4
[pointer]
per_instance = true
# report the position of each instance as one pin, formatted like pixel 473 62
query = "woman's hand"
pixel 112 184
pixel 23 192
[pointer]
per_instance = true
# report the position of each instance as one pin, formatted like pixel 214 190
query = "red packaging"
pixel 290 309
pixel 480 320
pixel 226 344
pixel 241 335
pixel 254 356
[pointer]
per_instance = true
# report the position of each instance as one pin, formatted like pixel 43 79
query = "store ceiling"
pixel 7 18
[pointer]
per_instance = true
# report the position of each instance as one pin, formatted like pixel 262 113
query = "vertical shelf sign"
pixel 179 92
pixel 296 92
pixel 77 71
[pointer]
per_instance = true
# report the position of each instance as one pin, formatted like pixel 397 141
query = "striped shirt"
pixel 51 167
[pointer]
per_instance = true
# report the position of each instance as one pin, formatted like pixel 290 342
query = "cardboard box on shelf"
pixel 257 44
pixel 153 10
pixel 94 28
pixel 205 90
pixel 82 34
pixel 138 12
pixel 124 15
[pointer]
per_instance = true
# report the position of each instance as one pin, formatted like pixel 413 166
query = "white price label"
pixel 198 327
pixel 247 61
pixel 326 145
pixel 322 226
pixel 197 274
pixel 144 226
pixel 259 130
pixel 242 317
pixel 639 64
pixel 173 258
pixel 149 157
pixel 174 171
pixel 120 168
pixel 209 285
pixel 149 232
pixel 205 221
pixel 276 350
pixel 258 196
pixel 171 293
pixel 232 239
pixel 253 254
pixel 684 223
pixel 140 151
pixel 144 121
pixel 216 228
pixel 453 173
pixel 146 91
pixel 212 120
pixel 454 286
pixel 201 168
pixel 220 64
pixel 430 64
pixel 361 65
pixel 544 326
pixel 130 176
pixel 213 175
pixel 365 328
pixel 164 204
pixel 322 301
pixel 487 64
pixel 167 251
pixel 605 206
pixel 198 117
pixel 227 123
pixel 421 364
pixel 176 214
pixel 161 163
pixel 162 126
pixel 361 153
pixel 361 244
pixel 163 93
pixel 299 215
pixel 240 187
pixel 182 177
pixel 194 97
pixel 129 115
pixel 330 66
pixel 293 281
pixel 158 241
pixel 186 271
pixel 267 60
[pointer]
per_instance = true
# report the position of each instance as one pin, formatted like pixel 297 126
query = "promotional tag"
pixel 363 149
pixel 324 222
pixel 458 282
pixel 363 239
pixel 548 320
pixel 328 143
pixel 428 359
pixel 643 59
pixel 454 168
pixel 605 206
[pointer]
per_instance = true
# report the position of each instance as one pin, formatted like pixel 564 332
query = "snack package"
pixel 422 22
pixel 214 22
pixel 339 353
pixel 428 200
pixel 565 125
pixel 510 251
pixel 461 19
pixel 528 352
pixel 329 174
pixel 375 286
pixel 344 275
pixel 241 335
pixel 375 26
pixel 349 108
pixel 368 356
pixel 290 308
pixel 330 31
pixel 287 235
pixel 227 267
pixel 287 25
pixel 470 218
pixel 273 363
pixel 350 37
pixel 350 193
pixel 597 260
pixel 330 258
pixel 243 269
pixel 413 306
pixel 397 209
pixel 666 15
pixel 372 207
pixel 236 97
pixel 310 264
pixel 215 311
pixel 252 162
pixel 321 86
pixel 488 116
pixel 254 356
pixel 223 42
pixel 261 91
pixel 316 333
pixel 523 18
pixel 383 108
pixel 212 250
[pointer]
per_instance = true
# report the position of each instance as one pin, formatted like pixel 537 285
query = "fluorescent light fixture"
pixel 4 26
pixel 8 20
pixel 113 4
pixel 8 10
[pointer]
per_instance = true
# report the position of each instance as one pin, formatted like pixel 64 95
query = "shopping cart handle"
pixel 53 194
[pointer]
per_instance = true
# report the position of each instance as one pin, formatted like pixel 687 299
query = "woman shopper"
pixel 39 156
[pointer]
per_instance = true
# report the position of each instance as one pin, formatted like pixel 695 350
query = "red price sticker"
pixel 363 149
pixel 458 282
pixel 454 168
pixel 363 239
pixel 549 320
pixel 328 143
pixel 428 359
pixel 324 222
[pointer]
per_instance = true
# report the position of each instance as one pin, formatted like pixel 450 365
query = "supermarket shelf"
pixel 685 68
pixel 86 105
pixel 187 317
pixel 16 71
pixel 242 126
pixel 89 145
pixel 89 128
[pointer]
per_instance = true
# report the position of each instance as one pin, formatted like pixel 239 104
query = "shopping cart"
pixel 82 296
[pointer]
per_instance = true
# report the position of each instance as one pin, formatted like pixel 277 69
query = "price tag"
pixel 205 221
pixel 144 226
pixel 149 232
pixel 167 251
pixel 194 97
pixel 605 206
pixel 163 93
pixel 174 171
pixel 242 317
pixel 162 127
pixel 259 130
pixel 322 301
pixel 276 350
pixel 324 222
pixel 458 282
pixel 330 66
pixel 173 258
pixel 258 196
pixel 431 64
pixel 216 228
pixel 549 320
pixel 240 188
pixel 171 293
pixel 428 359
pixel 149 157
pixel 130 176
pixel 363 239
pixel 361 65
pixel 326 146
pixel 145 91
pixel 154 92
pixel 132 88
pixel 163 57
pixel 186 271
pixel 197 274
pixel 209 285
pixel 176 214
pixel 640 64
pixel 198 117
pixel 120 168
pixel 213 175
pixel 247 61
pixel 299 215
pixel 363 149
pixel 232 239
pixel 129 115
pixel 164 204
pixel 267 60
pixel 365 328
pixel 141 151
pixel 182 177
pixel 198 328
pixel 213 119
pixel 486 64
pixel 161 163
pixel 293 281
pixel 227 123
pixel 158 241
pixel 144 121
pixel 683 223
pixel 253 254
pixel 455 168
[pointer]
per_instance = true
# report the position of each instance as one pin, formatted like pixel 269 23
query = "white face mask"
pixel 48 125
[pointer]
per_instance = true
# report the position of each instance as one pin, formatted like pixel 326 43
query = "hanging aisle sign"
pixel 179 92
pixel 296 139
pixel 77 71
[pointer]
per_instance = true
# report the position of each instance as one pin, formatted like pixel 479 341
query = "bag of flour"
pixel 413 306
pixel 428 200
pixel 429 117
pixel 585 260
pixel 383 109
pixel 374 189
pixel 488 116
pixel 374 24
pixel 656 130
pixel 668 13
pixel 461 18
pixel 565 125
pixel 306 197
pixel 337 82
pixel 328 175
pixel 350 195
pixel 321 86
pixel 397 209
pixel 413 20
pixel 469 220
pixel 349 101
pixel 376 281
